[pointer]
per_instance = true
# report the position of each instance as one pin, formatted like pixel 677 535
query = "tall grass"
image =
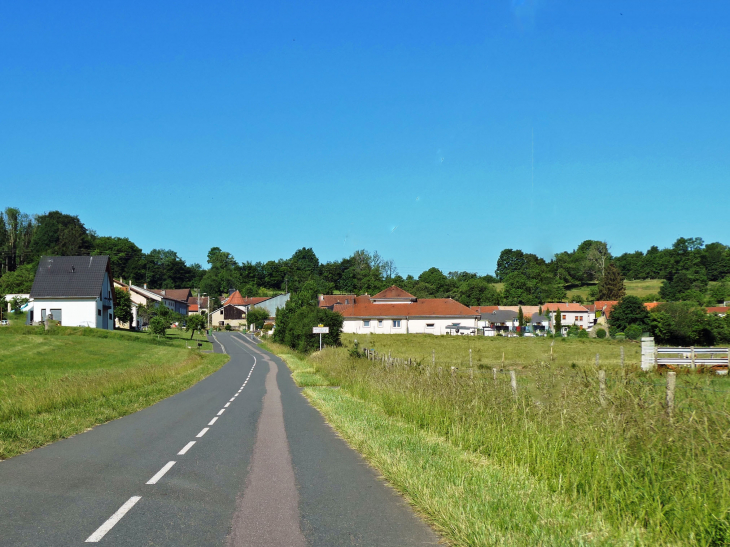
pixel 627 460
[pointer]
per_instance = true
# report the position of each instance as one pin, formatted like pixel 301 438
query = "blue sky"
pixel 437 133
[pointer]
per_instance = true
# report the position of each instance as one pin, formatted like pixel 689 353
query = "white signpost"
pixel 320 330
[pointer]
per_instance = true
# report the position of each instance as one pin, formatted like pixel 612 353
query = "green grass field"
pixel 553 466
pixel 640 288
pixel 56 385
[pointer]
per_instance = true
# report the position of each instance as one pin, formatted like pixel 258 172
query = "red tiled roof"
pixel 564 306
pixel 236 299
pixel 427 307
pixel 192 307
pixel 181 295
pixel 193 301
pixel 605 306
pixel 718 309
pixel 484 309
pixel 328 300
pixel 392 292
pixel 651 305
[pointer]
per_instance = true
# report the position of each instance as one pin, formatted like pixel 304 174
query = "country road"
pixel 240 458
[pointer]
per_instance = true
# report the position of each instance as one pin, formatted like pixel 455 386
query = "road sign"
pixel 320 330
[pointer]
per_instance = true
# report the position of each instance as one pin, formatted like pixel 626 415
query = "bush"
pixel 227 327
pixel 158 325
pixel 573 330
pixel 582 333
pixel 601 333
pixel 633 332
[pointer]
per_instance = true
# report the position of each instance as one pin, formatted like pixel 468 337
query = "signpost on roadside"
pixel 321 329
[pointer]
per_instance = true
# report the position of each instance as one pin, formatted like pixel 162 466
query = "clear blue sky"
pixel 437 133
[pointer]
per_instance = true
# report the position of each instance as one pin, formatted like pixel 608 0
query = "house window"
pixel 396 323
pixel 366 324
pixel 98 312
pixel 43 315
pixel 380 323
pixel 565 317
pixel 430 325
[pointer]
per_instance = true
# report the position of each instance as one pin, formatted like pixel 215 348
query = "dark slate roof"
pixel 500 316
pixel 70 276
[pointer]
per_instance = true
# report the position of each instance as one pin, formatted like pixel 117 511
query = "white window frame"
pixel 396 323
pixel 380 323
pixel 430 325
pixel 366 323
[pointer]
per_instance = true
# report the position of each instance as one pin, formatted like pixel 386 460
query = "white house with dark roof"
pixel 77 291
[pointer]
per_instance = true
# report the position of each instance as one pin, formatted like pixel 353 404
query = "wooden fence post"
pixel 471 374
pixel 602 386
pixel 453 372
pixel 622 356
pixel 671 383
pixel 433 357
pixel 494 374
pixel 469 357
pixel 598 359
pixel 502 359
pixel 513 382
pixel 692 357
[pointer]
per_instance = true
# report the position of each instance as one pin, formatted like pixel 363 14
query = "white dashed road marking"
pixel 202 432
pixel 212 421
pixel 111 521
pixel 186 448
pixel 221 411
pixel 161 473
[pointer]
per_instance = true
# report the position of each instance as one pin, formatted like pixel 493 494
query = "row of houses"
pixel 395 311
pixel 78 291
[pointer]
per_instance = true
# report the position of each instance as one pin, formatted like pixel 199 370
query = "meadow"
pixel 557 464
pixel 54 385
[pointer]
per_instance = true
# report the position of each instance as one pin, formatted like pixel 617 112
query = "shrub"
pixel 582 333
pixel 573 330
pixel 227 327
pixel 601 333
pixel 158 325
pixel 633 332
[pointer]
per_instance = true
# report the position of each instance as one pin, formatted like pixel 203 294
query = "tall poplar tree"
pixel 611 286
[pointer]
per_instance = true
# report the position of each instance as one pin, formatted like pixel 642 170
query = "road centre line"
pixel 221 411
pixel 161 473
pixel 231 399
pixel 212 421
pixel 202 432
pixel 111 521
pixel 186 448
pixel 226 405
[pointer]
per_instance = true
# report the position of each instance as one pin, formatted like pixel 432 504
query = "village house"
pixel 142 296
pixel 394 311
pixel 197 305
pixel 76 291
pixel 571 314
pixel 234 309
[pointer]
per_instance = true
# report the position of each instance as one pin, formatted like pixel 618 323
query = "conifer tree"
pixel 611 286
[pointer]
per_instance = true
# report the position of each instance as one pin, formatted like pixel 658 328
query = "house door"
pixel 105 318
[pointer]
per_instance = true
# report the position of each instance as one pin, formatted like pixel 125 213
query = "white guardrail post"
pixel 648 357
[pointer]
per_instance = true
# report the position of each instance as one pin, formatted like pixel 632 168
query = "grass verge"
pixel 56 385
pixel 623 471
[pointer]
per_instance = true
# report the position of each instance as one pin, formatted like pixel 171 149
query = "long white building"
pixel 394 311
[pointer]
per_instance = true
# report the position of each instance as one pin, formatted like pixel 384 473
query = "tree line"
pixel 520 278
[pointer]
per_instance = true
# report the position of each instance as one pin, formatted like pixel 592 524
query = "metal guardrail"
pixel 715 358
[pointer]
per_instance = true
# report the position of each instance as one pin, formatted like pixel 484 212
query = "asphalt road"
pixel 238 459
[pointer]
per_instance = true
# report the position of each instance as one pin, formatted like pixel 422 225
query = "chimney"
pixel 164 292
pixel 145 286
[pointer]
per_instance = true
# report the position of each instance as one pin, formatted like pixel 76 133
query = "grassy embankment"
pixel 59 384
pixel 554 466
